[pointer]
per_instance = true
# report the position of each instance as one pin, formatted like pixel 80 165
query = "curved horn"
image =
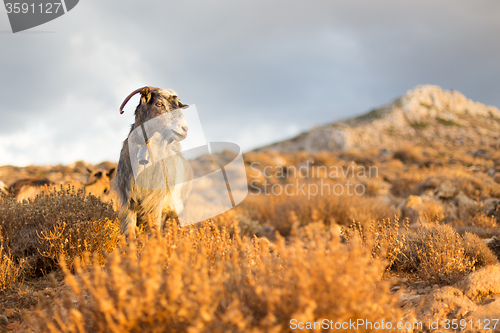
pixel 132 94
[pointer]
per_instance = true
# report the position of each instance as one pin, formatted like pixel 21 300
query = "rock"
pixel 456 203
pixel 265 232
pixel 431 183
pixel 3 321
pixel 490 205
pixel 9 313
pixel 482 282
pixel 465 205
pixel 446 302
pixel 494 245
pixel 480 153
pixel 491 172
pixel 425 114
pixel 490 310
pixel 446 191
pixel 12 326
pixel 405 299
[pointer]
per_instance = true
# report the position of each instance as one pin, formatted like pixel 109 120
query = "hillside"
pixel 418 180
pixel 426 115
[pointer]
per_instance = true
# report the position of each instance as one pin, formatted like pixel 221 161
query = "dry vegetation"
pixel 274 258
pixel 435 253
pixel 58 223
pixel 282 212
pixel 201 279
pixel 10 270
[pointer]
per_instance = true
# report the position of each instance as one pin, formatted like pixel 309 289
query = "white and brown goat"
pixel 138 201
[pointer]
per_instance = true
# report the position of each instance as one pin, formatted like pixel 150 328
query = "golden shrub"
pixel 442 256
pixel 10 271
pixel 478 251
pixel 204 280
pixel 387 238
pixel 71 241
pixel 438 254
pixel 484 221
pixel 432 211
pixel 59 222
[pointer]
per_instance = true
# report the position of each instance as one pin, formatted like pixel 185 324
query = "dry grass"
pixel 440 255
pixel 484 221
pixel 476 185
pixel 71 241
pixel 480 224
pixel 409 154
pixel 423 209
pixel 10 271
pixel 387 239
pixel 203 280
pixel 407 184
pixel 283 211
pixel 208 277
pixel 478 251
pixel 432 211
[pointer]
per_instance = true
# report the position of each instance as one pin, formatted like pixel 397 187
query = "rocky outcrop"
pixel 473 299
pixel 445 201
pixel 483 282
pixel 425 115
pixel 447 302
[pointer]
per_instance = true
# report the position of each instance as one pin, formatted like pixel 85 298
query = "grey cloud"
pixel 258 71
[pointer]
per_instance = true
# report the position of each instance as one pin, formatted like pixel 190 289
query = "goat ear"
pixel 146 95
pixel 111 173
pixel 182 105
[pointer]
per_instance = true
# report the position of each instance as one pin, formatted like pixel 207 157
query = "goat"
pixel 138 201
pixel 25 189
pixel 99 184
pixel 99 181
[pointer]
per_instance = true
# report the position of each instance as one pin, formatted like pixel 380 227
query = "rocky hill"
pixel 426 115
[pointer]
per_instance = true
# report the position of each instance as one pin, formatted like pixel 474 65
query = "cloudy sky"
pixel 258 71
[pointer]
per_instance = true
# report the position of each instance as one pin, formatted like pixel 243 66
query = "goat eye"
pixel 159 104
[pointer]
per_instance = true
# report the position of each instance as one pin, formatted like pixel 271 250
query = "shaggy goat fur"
pixel 137 203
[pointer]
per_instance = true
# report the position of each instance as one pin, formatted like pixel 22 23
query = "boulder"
pixel 484 281
pixel 446 302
